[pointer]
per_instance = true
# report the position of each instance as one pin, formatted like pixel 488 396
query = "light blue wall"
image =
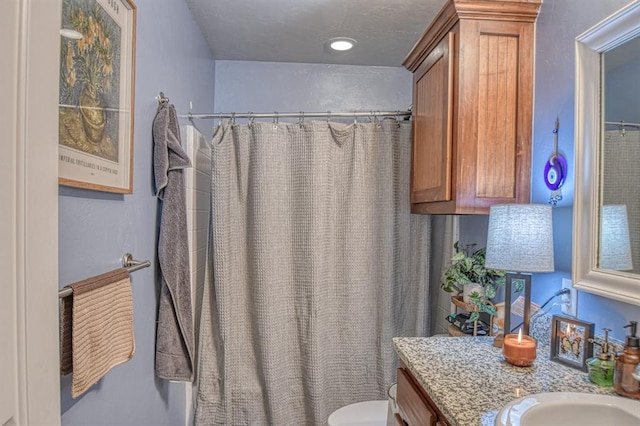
pixel 97 228
pixel 290 87
pixel 559 23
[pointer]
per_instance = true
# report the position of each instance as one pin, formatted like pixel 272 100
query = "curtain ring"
pixel 376 118
pixel 301 118
pixel 251 117
pixel 328 115
pixel 275 120
pixel 233 118
pixel 355 118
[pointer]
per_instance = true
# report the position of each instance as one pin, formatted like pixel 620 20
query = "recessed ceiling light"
pixel 72 34
pixel 341 43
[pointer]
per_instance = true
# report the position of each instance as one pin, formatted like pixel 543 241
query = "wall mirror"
pixel 606 234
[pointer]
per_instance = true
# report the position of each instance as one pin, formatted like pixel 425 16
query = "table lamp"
pixel 520 241
pixel 615 245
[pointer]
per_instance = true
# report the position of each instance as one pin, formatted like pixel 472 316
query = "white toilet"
pixel 367 413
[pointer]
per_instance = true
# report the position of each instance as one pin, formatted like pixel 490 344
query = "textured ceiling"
pixel 297 30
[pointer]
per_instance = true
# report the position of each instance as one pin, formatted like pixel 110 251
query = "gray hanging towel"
pixel 174 334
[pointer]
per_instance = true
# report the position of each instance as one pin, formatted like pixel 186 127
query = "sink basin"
pixel 568 409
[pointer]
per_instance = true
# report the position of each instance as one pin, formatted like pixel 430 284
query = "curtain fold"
pixel 314 264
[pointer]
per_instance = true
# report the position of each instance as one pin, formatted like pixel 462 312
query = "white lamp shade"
pixel 615 245
pixel 520 238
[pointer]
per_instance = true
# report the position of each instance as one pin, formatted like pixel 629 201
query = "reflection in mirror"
pixel 607 158
pixel 620 149
pixel 615 248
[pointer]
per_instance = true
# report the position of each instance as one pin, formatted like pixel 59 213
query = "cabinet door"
pixel 432 126
pixel 415 410
pixel 494 124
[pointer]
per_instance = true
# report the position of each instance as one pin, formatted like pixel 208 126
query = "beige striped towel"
pixel 66 338
pixel 101 327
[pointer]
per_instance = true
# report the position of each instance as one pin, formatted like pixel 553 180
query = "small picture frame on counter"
pixel 570 341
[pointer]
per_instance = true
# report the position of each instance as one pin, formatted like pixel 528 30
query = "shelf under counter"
pixel 469 382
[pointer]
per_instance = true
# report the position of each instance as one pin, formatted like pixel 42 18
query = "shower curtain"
pixel 315 264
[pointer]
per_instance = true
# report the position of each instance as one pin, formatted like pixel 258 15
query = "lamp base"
pixel 498 340
pixel 511 280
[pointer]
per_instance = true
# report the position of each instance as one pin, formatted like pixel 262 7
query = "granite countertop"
pixel 470 381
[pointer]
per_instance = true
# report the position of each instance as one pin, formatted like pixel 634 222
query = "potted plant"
pixel 467 271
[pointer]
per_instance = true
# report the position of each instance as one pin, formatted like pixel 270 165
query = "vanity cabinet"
pixel 416 407
pixel 472 107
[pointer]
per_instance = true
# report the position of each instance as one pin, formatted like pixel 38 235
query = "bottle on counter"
pixel 601 367
pixel 626 380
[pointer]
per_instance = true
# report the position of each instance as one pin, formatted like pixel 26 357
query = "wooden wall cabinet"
pixel 472 107
pixel 415 406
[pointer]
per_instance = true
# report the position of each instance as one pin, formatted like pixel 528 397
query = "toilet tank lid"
pixel 366 412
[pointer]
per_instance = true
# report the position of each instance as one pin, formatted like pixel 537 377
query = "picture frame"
pixel 570 341
pixel 96 97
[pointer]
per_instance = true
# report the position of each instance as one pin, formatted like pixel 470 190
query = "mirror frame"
pixel 604 36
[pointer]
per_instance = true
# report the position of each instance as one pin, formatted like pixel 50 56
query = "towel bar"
pixel 127 262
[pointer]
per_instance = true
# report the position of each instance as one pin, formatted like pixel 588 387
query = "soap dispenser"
pixel 626 381
pixel 601 367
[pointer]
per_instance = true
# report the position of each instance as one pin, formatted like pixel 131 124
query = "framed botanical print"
pixel 96 100
pixel 570 341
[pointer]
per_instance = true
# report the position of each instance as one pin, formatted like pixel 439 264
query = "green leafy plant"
pixel 468 268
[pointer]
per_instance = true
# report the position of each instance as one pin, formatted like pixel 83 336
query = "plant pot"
pixel 93 116
pixel 468 289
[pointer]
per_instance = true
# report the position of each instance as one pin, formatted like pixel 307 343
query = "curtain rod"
pixel 162 99
pixel 622 123
pixel 276 115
